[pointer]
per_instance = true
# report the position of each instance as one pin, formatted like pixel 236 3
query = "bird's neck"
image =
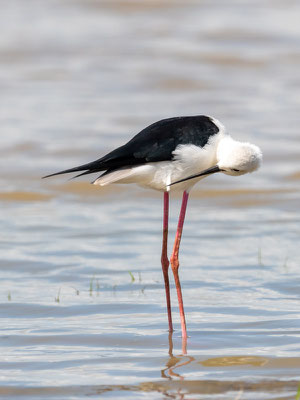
pixel 225 144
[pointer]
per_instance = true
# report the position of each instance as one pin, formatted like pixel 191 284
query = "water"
pixel 81 290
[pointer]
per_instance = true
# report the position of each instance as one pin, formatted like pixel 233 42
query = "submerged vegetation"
pixel 57 298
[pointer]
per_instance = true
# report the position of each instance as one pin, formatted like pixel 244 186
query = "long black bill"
pixel 207 171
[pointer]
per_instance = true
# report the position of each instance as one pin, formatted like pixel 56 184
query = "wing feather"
pixel 154 143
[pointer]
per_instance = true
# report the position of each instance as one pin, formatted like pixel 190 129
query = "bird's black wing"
pixel 154 143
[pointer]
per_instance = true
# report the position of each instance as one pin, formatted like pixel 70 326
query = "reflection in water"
pixel 181 388
pixel 183 344
pixel 176 362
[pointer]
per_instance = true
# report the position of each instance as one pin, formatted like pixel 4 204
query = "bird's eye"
pixel 236 170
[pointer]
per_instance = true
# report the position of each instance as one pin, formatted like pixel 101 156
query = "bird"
pixel 168 155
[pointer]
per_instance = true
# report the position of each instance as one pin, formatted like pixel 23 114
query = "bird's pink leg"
pixel 164 258
pixel 175 262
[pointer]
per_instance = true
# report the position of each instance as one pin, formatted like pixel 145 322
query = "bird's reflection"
pixel 175 362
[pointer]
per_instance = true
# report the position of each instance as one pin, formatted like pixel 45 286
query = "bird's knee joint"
pixel 174 263
pixel 165 263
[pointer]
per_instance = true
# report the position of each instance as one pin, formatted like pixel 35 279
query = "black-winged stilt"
pixel 174 153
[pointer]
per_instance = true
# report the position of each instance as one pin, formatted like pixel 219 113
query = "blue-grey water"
pixel 81 290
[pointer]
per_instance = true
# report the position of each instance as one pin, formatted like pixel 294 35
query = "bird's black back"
pixel 154 143
pixel 159 140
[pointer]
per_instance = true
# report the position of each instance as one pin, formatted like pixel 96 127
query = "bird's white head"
pixel 237 158
pixel 232 158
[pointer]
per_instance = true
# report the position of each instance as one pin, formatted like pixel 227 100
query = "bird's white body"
pixel 189 160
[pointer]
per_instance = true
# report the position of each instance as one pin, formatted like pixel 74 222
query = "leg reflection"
pixel 171 344
pixel 175 362
pixel 183 344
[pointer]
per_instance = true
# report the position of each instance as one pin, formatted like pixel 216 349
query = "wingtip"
pixel 47 176
pixel 56 173
pixel 88 168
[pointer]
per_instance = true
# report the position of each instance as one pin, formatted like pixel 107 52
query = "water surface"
pixel 82 297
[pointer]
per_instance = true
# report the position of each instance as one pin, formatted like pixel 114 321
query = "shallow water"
pixel 82 298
